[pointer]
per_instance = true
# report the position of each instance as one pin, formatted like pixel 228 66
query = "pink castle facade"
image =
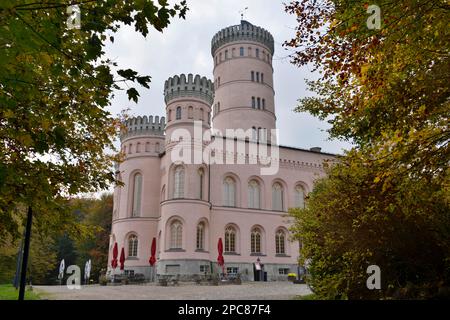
pixel 187 205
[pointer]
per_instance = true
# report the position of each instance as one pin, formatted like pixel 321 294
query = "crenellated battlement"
pixel 243 31
pixel 151 126
pixel 190 86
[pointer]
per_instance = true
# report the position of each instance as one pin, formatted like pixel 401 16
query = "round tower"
pixel 243 79
pixel 188 99
pixel 184 184
pixel 136 203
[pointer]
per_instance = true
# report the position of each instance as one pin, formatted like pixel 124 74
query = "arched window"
pixel 254 134
pixel 201 174
pixel 277 197
pixel 170 115
pixel 241 51
pixel 157 147
pixel 190 113
pixel 200 236
pixel 280 238
pixel 138 147
pixel 226 54
pixel 264 104
pixel 259 103
pixel 163 193
pixel 132 246
pixel 229 192
pixel 178 191
pixel 254 192
pixel 262 77
pixel 257 52
pixel 201 113
pixel 176 235
pixel 178 115
pixel 257 77
pixel 137 195
pixel 299 197
pixel 253 75
pixel 255 241
pixel 230 239
pixel 253 103
pixel 147 147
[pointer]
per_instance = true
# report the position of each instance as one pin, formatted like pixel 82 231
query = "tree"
pixel 350 223
pixel 387 90
pixel 97 213
pixel 55 86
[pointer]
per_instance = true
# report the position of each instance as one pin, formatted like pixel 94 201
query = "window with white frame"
pixel 178 191
pixel 277 197
pixel 230 239
pixel 176 235
pixel 254 192
pixel 229 192
pixel 200 236
pixel 132 246
pixel 255 241
pixel 299 197
pixel 137 195
pixel 280 245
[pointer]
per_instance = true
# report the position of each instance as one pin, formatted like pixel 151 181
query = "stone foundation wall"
pixel 188 270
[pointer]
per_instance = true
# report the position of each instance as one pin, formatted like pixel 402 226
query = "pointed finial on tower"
pixel 242 12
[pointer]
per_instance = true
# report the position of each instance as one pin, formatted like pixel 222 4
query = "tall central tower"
pixel 243 78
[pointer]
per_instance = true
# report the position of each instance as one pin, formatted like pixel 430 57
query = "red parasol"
pixel 153 252
pixel 114 258
pixel 220 260
pixel 122 259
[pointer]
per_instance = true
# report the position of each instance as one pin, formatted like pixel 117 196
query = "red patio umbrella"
pixel 220 260
pixel 153 252
pixel 122 259
pixel 114 258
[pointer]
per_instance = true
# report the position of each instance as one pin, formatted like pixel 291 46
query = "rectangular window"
pixel 257 52
pixel 232 270
pixel 253 103
pixel 226 54
pixel 259 103
pixel 257 77
pixel 262 77
pixel 241 51
pixel 283 271
pixel 204 268
pixel 253 75
pixel 264 104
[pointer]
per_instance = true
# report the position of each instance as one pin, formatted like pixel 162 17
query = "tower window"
pixel 259 103
pixel 257 52
pixel 264 104
pixel 253 75
pixel 241 51
pixel 257 77
pixel 262 77
pixel 226 54
pixel 253 103
pixel 178 113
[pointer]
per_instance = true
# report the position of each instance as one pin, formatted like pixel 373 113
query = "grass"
pixel 8 292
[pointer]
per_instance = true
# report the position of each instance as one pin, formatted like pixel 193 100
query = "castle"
pixel 175 194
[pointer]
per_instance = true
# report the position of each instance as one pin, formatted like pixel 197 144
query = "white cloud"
pixel 184 47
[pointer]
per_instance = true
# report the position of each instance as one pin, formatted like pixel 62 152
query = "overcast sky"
pixel 185 47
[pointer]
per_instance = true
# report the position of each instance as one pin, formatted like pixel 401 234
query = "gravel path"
pixel 246 291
